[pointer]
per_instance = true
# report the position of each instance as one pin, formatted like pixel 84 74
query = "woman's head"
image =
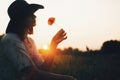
pixel 30 22
pixel 22 18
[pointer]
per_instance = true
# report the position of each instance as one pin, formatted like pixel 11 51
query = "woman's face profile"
pixel 30 23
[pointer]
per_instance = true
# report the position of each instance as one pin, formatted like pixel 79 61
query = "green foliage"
pixel 1 36
pixel 112 46
pixel 88 67
pixel 0 42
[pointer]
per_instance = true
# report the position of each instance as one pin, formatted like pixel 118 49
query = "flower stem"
pixel 57 25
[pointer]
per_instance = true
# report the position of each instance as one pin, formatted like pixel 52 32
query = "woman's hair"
pixel 18 27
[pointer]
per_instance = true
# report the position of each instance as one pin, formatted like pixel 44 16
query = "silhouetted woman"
pixel 24 61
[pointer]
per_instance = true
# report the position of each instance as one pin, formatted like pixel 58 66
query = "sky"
pixel 86 22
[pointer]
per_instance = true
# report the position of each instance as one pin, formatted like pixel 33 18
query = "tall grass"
pixel 84 67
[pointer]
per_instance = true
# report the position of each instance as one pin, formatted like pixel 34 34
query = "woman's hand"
pixel 48 59
pixel 59 37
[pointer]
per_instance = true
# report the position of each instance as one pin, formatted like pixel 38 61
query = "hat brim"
pixel 35 7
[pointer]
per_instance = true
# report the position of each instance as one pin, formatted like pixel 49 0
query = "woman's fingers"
pixel 60 32
pixel 59 37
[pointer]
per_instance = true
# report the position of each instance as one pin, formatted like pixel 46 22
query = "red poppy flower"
pixel 51 20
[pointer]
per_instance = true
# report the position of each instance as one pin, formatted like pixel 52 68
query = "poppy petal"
pixel 51 20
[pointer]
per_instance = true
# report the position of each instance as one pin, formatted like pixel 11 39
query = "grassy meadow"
pixel 88 67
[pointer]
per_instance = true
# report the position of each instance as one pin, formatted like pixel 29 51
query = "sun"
pixel 45 47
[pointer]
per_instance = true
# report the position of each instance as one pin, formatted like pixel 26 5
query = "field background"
pixel 88 67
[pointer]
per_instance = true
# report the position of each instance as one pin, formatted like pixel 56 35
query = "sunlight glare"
pixel 45 47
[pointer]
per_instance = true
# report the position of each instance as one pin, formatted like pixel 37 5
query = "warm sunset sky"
pixel 87 22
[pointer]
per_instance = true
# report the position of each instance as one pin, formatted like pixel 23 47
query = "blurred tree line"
pixel 108 47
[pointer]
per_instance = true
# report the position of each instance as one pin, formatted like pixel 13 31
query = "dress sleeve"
pixel 15 51
pixel 34 53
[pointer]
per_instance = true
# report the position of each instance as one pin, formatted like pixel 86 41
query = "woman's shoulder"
pixel 30 40
pixel 10 37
